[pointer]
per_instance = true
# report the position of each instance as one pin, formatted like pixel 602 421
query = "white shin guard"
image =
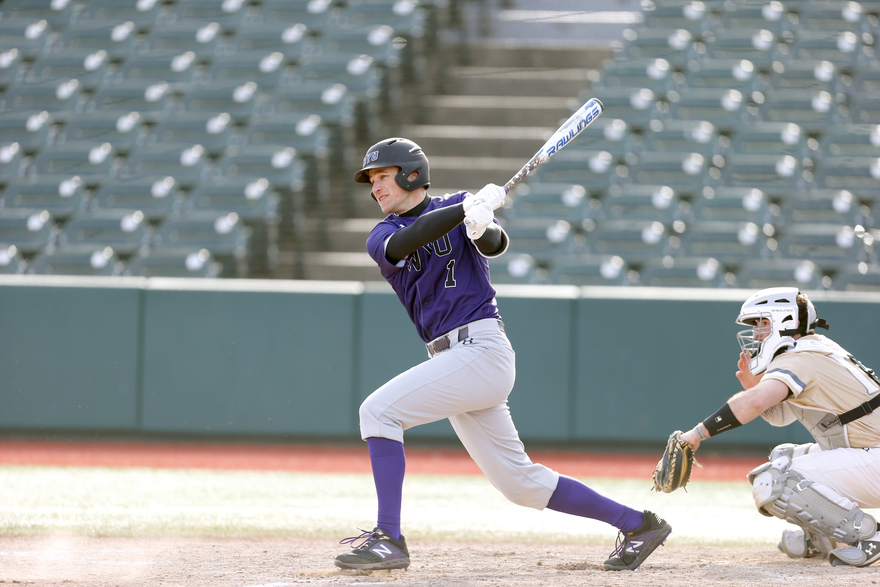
pixel 784 493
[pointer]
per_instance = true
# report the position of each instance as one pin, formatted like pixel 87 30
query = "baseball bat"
pixel 571 128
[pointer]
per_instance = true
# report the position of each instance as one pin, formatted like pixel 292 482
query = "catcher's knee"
pixel 790 450
pixel 782 492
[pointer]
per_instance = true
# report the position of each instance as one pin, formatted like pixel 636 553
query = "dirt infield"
pixel 197 562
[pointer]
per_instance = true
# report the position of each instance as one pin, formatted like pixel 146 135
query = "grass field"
pixel 100 501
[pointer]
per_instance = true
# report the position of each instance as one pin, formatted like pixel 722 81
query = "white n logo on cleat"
pixel 382 550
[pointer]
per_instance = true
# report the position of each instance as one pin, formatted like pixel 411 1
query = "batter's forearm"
pixel 426 229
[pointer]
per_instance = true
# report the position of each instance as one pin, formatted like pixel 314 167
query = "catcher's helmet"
pixel 397 152
pixel 788 311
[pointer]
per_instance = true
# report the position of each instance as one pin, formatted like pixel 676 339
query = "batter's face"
pixel 392 198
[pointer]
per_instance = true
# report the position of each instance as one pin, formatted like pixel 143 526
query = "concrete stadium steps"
pixel 471 173
pixel 479 141
pixel 334 266
pixel 497 110
pixel 507 81
pixel 543 53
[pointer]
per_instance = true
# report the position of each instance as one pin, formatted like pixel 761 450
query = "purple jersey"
pixel 444 284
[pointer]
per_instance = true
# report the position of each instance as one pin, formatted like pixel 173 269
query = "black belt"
pixel 860 410
pixel 440 344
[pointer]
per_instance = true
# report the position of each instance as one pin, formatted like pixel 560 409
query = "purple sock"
pixel 575 498
pixel 389 465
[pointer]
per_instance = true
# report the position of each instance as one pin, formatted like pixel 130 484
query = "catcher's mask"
pixel 774 316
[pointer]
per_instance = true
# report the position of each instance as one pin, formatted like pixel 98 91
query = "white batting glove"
pixel 477 219
pixel 493 195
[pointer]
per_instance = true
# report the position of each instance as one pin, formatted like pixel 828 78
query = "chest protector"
pixel 824 426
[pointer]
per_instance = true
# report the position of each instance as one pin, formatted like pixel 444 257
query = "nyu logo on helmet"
pixel 370 157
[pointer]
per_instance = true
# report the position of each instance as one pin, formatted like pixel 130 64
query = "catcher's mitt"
pixel 674 469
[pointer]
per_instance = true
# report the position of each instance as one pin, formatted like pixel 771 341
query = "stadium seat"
pixel 637 106
pixel 214 131
pixel 770 138
pixel 379 41
pixel 28 37
pixel 864 107
pixel 316 15
pixel 725 108
pixel 279 165
pixel 186 164
pixel 732 204
pixel 685 272
pixel 757 274
pixel 29 128
pixel 93 259
pixel 267 69
pixel 144 13
pixel 181 69
pixel 30 230
pixel 124 131
pixel 654 73
pixel 223 235
pixel 292 39
pixel 642 202
pixel 512 268
pixel 727 241
pixel 56 12
pixel 562 201
pixel 692 15
pixel 157 197
pixel 61 99
pixel 683 172
pixel 832 15
pixel 767 172
pixel 204 38
pixel 116 37
pixel 866 78
pixel 760 46
pixel 730 74
pixel 682 136
pixel 134 96
pixel 847 173
pixel 757 15
pixel 174 262
pixel 821 206
pixel 591 270
pixel 228 14
pixel 845 49
pixel 60 197
pixel 850 140
pixel 806 74
pixel 12 68
pixel 12 162
pixel 827 245
pixel 238 98
pixel 88 160
pixel 814 110
pixel 251 199
pixel 861 277
pixel 541 238
pixel 11 260
pixel 358 72
pixel 89 67
pixel 635 241
pixel 607 134
pixel 676 45
pixel 595 170
pixel 126 231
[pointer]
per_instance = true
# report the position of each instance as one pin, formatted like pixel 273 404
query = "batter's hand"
pixel 493 195
pixel 746 379
pixel 477 219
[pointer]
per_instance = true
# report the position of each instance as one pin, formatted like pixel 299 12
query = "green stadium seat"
pixel 864 107
pixel 126 231
pixel 676 45
pixel 134 96
pixel 92 260
pixel 847 173
pixel 635 241
pixel 253 200
pixel 223 235
pixel 563 201
pixel 31 129
pixel 732 204
pixel 407 17
pixel 814 110
pixel 757 15
pixel 12 68
pixel 174 262
pixel 727 241
pixel 607 134
pixel 124 131
pixel 316 15
pixel 542 238
pixel 279 165
pixel 850 140
pixel 704 272
pixel 592 270
pixel 827 245
pixel 204 38
pixel 213 131
pixel 56 12
pixel 173 67
pixel 760 46
pixel 12 162
pixel 11 260
pixel 229 14
pixel 30 230
pixel 858 277
pixel 595 170
pixel 89 160
pixel 683 172
pixel 144 13
pixel 60 197
pixel 654 73
pixel 28 37
pixel 757 274
pixel 59 98
pixel 767 172
pixel 157 197
pixel 832 15
pixel 692 15
pixel 730 74
pixel 292 39
pixel 866 78
pixel 806 74
pixel 682 136
pixel 724 108
pixel 770 138
pixel 518 269
pixel 239 98
pixel 642 202
pixel 116 37
pixel 379 41
pixel 267 69
pixel 186 164
pixel 822 206
pixel 845 49
pixel 89 67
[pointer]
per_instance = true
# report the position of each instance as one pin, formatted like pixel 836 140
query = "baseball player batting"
pixel 433 251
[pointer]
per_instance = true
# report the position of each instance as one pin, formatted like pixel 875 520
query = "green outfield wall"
pixel 293 360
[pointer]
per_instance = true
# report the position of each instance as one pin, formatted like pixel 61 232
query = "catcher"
pixel 790 373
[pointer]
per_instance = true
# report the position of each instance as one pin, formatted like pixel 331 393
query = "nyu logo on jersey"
pixel 370 157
